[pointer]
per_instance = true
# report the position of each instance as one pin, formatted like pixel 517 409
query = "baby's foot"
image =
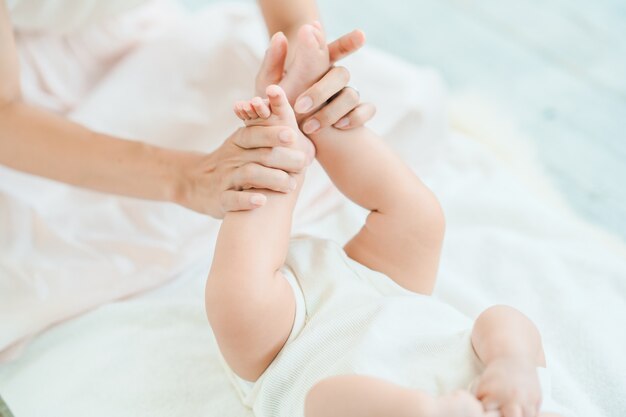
pixel 510 383
pixel 457 404
pixel 309 62
pixel 274 111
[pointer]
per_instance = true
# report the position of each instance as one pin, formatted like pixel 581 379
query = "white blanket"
pixel 509 240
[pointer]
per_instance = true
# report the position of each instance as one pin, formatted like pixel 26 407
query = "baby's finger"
pixel 362 114
pixel 241 200
pixel 346 45
pixel 328 115
pixel 332 83
pixel 261 108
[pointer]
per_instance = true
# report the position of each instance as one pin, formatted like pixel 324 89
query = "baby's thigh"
pixel 363 396
pixel 251 326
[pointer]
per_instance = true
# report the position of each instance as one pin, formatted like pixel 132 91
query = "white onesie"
pixel 352 320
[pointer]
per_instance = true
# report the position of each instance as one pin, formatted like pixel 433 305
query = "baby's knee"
pixel 319 397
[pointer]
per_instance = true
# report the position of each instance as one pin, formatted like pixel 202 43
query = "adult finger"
pixel 330 84
pixel 253 175
pixel 346 45
pixel 263 136
pixel 273 65
pixel 285 159
pixel 340 106
pixel 241 200
pixel 357 117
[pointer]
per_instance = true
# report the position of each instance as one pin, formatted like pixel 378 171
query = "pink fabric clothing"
pixel 144 75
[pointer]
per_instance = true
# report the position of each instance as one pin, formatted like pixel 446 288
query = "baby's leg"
pixel 509 345
pixel 250 305
pixel 404 231
pixel 353 395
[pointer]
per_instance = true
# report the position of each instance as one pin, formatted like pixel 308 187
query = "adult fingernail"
pixel 285 136
pixel 292 184
pixel 258 200
pixel 342 123
pixel 311 126
pixel 303 104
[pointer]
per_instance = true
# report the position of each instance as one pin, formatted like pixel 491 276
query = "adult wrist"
pixel 175 178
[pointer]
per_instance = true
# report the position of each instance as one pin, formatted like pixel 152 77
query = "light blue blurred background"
pixel 556 68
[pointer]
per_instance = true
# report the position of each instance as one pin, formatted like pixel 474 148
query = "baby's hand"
pixel 510 385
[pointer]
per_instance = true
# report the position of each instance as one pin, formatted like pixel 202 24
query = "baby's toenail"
pixel 311 126
pixel 304 104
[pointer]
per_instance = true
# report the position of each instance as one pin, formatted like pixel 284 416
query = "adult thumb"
pixel 273 64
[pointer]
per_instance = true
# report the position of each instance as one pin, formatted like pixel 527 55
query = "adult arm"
pixel 288 15
pixel 45 144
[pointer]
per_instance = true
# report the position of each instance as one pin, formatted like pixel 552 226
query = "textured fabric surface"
pixel 359 321
pixel 64 16
pixel 64 251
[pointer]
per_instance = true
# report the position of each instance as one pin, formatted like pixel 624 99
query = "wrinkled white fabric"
pixel 65 251
pixel 64 16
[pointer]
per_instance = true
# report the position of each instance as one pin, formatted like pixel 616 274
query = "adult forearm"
pixel 288 15
pixel 502 331
pixel 44 144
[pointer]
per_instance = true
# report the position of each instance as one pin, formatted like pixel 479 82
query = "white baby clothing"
pixel 353 320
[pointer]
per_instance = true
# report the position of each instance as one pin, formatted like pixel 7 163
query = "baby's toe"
pixel 279 104
pixel 252 114
pixel 239 111
pixel 261 108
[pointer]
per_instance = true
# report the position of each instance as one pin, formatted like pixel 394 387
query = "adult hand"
pixel 329 102
pixel 251 158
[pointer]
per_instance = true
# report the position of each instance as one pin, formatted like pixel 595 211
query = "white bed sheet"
pixel 508 240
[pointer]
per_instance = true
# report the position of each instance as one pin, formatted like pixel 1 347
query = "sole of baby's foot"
pixel 457 404
pixel 274 111
pixel 309 63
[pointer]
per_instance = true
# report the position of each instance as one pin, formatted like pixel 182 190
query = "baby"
pixel 309 328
